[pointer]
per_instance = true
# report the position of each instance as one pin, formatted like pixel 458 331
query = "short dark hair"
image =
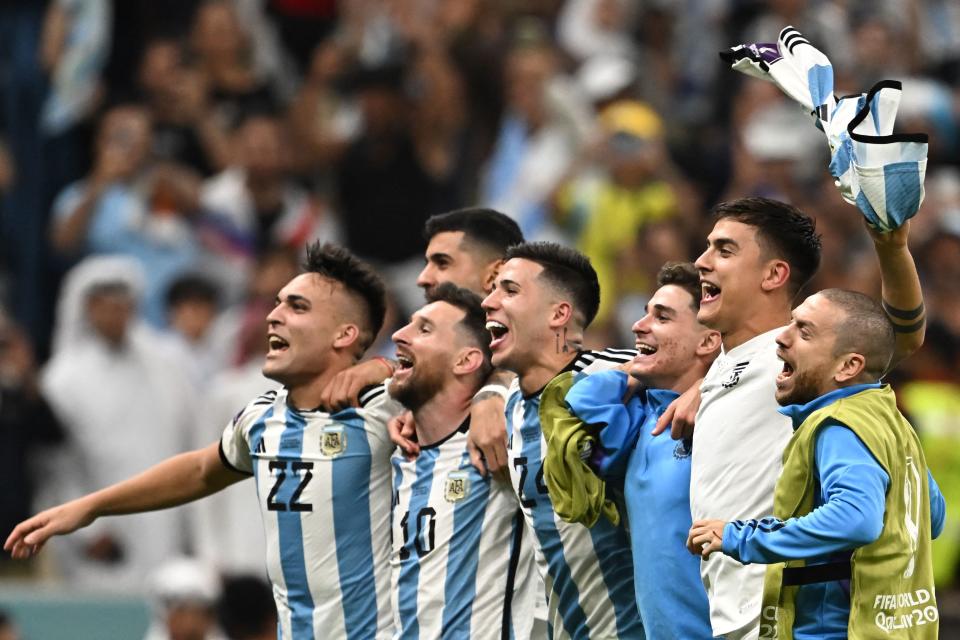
pixel 488 228
pixel 359 278
pixel 566 270
pixel 783 231
pixel 474 322
pixel 246 607
pixel 192 288
pixel 683 275
pixel 863 328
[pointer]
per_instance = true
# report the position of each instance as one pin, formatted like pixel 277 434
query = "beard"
pixel 416 391
pixel 805 387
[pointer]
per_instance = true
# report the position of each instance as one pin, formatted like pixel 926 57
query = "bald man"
pixel 855 508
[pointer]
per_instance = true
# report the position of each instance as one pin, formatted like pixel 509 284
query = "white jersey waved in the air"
pixel 323 482
pixel 462 560
pixel 588 572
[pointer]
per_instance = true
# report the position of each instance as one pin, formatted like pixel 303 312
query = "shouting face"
pixel 519 311
pixel 301 329
pixel 427 351
pixel 731 272
pixel 806 347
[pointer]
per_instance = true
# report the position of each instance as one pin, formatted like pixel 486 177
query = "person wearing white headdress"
pixel 125 404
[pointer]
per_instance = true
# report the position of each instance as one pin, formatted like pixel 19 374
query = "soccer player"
pixel 462 562
pixel 465 247
pixel 544 298
pixel 322 480
pixel 855 508
pixel 758 256
pixel 674 352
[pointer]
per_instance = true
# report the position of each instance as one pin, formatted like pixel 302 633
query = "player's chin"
pixel 784 394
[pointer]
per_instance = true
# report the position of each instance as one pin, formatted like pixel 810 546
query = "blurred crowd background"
pixel 162 164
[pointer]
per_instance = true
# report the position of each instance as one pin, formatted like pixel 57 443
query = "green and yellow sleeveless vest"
pixel 891 585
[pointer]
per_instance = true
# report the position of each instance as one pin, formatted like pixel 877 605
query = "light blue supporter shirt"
pixel 848 513
pixel 655 474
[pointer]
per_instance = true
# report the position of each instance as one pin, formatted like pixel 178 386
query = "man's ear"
pixel 849 367
pixel 561 315
pixel 346 336
pixel 468 360
pixel 490 274
pixel 709 343
pixel 776 274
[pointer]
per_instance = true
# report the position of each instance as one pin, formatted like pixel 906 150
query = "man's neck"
pixel 685 381
pixel 306 396
pixel 756 325
pixel 443 414
pixel 547 367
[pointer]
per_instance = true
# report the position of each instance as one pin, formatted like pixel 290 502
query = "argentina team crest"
pixel 333 442
pixel 457 487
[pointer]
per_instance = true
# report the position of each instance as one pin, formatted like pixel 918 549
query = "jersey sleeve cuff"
pixel 227 463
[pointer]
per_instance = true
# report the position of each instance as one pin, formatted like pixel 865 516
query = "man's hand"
pixel 887 240
pixel 344 389
pixel 403 433
pixel 487 437
pixel 30 535
pixel 681 414
pixel 706 537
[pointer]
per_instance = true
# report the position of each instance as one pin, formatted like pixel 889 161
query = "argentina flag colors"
pixel 323 484
pixel 462 561
pixel 588 572
pixel 879 171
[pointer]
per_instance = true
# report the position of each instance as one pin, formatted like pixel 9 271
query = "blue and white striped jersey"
pixel 323 483
pixel 588 572
pixel 462 558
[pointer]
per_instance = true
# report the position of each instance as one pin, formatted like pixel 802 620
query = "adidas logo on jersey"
pixel 734 377
pixel 457 487
pixel 333 442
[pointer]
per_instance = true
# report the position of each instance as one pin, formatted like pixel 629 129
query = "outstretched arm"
pixel 175 481
pixel 900 288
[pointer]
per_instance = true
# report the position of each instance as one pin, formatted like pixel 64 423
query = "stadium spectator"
pixel 198 331
pixel 222 49
pixel 186 130
pixel 255 203
pixel 27 425
pixel 533 150
pixel 131 205
pixel 125 404
pixel 183 595
pixel 246 610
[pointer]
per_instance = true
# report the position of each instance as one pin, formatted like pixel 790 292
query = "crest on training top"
pixel 734 378
pixel 457 487
pixel 333 441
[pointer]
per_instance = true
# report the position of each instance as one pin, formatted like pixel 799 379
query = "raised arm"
pixel 900 289
pixel 175 481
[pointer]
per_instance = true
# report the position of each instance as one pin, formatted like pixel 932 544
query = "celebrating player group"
pixel 741 472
